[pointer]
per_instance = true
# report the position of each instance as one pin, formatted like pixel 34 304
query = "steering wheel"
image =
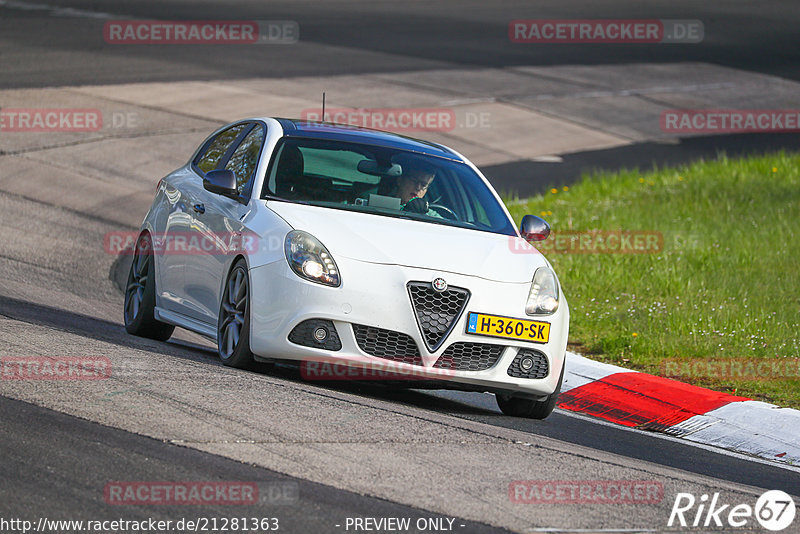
pixel 444 210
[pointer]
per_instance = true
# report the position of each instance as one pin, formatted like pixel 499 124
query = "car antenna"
pixel 323 106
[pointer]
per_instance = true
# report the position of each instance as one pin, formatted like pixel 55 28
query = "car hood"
pixel 394 241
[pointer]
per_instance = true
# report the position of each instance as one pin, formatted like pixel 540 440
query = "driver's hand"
pixel 417 205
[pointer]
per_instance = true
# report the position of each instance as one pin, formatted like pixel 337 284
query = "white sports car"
pixel 314 242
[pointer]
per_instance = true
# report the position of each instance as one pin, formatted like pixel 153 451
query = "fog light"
pixel 526 363
pixel 321 334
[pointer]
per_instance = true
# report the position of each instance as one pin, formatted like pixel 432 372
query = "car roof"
pixel 355 134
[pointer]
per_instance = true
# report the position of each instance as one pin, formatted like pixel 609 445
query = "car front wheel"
pixel 533 409
pixel 233 325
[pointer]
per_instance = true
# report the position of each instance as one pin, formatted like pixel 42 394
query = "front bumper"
pixel 376 295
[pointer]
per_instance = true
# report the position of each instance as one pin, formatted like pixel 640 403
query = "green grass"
pixel 725 285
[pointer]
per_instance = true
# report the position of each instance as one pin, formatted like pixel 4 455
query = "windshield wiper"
pixel 281 199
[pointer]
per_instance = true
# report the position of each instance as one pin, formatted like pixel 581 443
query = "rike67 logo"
pixel 774 510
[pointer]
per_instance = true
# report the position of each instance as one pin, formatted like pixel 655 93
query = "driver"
pixel 413 184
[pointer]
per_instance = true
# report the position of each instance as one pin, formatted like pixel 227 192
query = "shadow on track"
pixel 114 333
pixel 525 178
pixel 98 329
pixel 87 456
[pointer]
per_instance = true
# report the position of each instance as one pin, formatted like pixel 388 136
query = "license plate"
pixel 482 324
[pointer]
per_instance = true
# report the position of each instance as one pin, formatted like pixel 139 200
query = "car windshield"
pixel 384 181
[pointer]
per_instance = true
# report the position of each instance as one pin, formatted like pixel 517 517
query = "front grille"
pixel 436 312
pixel 469 356
pixel 540 369
pixel 303 334
pixel 387 344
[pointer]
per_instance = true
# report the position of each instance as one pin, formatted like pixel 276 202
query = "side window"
pixel 209 159
pixel 244 160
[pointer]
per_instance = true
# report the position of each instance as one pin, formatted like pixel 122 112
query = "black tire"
pixel 233 324
pixel 140 295
pixel 533 409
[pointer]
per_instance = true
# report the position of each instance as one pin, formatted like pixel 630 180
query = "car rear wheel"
pixel 233 326
pixel 533 409
pixel 140 295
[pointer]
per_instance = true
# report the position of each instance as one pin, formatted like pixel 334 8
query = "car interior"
pixel 364 178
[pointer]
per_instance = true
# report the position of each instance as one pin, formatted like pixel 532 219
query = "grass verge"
pixel 717 302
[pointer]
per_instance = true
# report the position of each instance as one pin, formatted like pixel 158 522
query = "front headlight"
pixel 543 296
pixel 310 259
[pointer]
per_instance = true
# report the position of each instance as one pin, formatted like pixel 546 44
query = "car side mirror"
pixel 221 181
pixel 533 228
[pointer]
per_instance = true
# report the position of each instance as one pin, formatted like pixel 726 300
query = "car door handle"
pixel 199 208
